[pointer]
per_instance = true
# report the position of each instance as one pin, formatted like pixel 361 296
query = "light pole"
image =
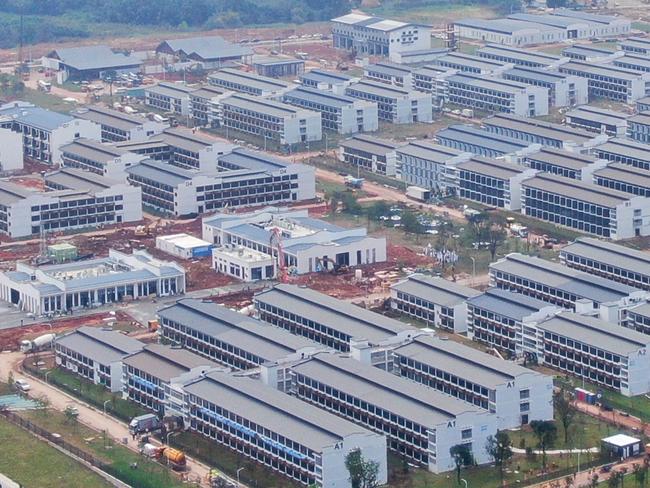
pixel 47 373
pixel 105 402
pixel 169 434
pixel 473 268
pixel 239 470
pixel 464 482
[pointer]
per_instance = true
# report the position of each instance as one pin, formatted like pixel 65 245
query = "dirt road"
pixel 88 415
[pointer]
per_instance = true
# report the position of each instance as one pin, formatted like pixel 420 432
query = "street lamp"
pixel 473 268
pixel 464 482
pixel 239 470
pixel 46 374
pixel 169 434
pixel 105 402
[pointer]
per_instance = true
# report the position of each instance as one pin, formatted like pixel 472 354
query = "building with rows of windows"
pixel 249 83
pixel 370 153
pixel 516 395
pixel 118 126
pixel 419 423
pixel 480 142
pixel 339 113
pixel 602 353
pixel 519 56
pixel 625 178
pixel 563 90
pixel 99 158
pixel 600 120
pixel 625 151
pixel 286 435
pixel 169 97
pixel 565 163
pixel 638 127
pixel 586 207
pixel 609 260
pixel 611 82
pixel 435 301
pixel 95 354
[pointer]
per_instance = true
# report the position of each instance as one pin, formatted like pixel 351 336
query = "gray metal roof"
pixel 507 303
pixel 369 144
pixel 37 117
pixel 249 79
pixel 538 127
pixel 208 92
pixel 643 309
pixel 246 333
pixel 265 106
pixel 491 167
pixel 93 150
pixel 109 117
pixel 94 57
pixel 579 190
pixel 631 61
pixel 319 96
pixel 600 115
pixel 467 60
pixel 627 148
pixel 505 26
pixel 587 50
pixel 563 158
pixel 322 76
pixel 462 361
pixel 389 69
pixel 172 90
pixel 161 172
pixel 435 290
pixel 615 255
pixel 552 20
pixel 206 48
pixel 554 275
pixel 401 396
pixel 518 54
pixel 599 69
pixel 625 173
pixel 253 160
pixel 597 18
pixel 381 89
pixel 339 315
pixel 469 134
pixel 642 118
pixel 596 333
pixel 165 362
pixel 429 151
pixel 189 141
pixel 77 179
pixel 538 74
pixel 11 193
pixel 102 346
pixel 488 83
pixel 278 412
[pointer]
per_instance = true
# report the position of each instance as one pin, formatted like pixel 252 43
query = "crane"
pixel 276 244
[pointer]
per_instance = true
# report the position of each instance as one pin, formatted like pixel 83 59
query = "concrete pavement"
pixel 88 415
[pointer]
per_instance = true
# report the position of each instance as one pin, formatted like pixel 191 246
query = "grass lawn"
pixel 95 394
pixel 34 464
pixel 642 26
pixel 48 101
pixel 436 13
pixel 118 458
pixel 399 132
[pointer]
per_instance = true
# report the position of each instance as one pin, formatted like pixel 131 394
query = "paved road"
pixel 88 415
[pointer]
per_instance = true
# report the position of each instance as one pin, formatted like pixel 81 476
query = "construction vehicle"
pixel 323 265
pixel 352 182
pixel 40 343
pixel 174 457
pixel 276 244
pixel 153 325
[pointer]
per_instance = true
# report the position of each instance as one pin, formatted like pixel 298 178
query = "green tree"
pixel 462 456
pixel 363 473
pixel 410 223
pixel 641 473
pixel 495 234
pixel 546 433
pixel 377 209
pixel 564 411
pixel 499 448
pixel 615 479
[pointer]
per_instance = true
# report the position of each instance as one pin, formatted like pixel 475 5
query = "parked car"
pixel 22 385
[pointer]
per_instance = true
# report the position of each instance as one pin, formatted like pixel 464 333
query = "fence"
pixel 560 473
pixel 62 443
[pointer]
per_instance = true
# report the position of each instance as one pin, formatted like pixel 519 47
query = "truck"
pixel 419 194
pixel 171 456
pixel 519 230
pixel 144 423
pixel 352 182
pixel 39 344
pixel 45 86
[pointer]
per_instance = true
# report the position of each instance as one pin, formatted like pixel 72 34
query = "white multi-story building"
pixel 520 56
pixel 308 244
pixel 508 32
pixel 271 120
pixel 389 73
pixel 326 80
pixel 569 164
pixel 249 83
pixel 205 106
pixel 118 126
pixel 433 80
pixel 370 154
pixel 481 142
pixel 470 63
pixel 396 105
pixel 339 113
pixel 430 166
pixel 600 120
pixel 76 200
pixel 498 95
pixel 607 81
pixel 61 288
pixel 44 132
pixel 101 159
pixel 563 90
pixel 602 353
pixel 372 36
pixel 516 395
pixel 287 435
pixel 169 97
pixel 625 151
pixel 436 301
pixel 562 286
pixel 586 207
pixel 420 423
pixel 95 354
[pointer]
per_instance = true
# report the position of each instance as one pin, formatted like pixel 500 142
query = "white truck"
pixel 419 194
pixel 144 423
pixel 39 344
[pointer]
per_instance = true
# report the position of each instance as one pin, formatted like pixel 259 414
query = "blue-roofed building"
pixel 472 139
pixel 61 288
pixel 210 51
pixel 245 244
pixel 44 132
pixel 339 113
pixel 90 62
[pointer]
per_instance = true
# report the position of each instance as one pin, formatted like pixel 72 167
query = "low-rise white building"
pixel 184 246
pixel 11 150
pixel 308 245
